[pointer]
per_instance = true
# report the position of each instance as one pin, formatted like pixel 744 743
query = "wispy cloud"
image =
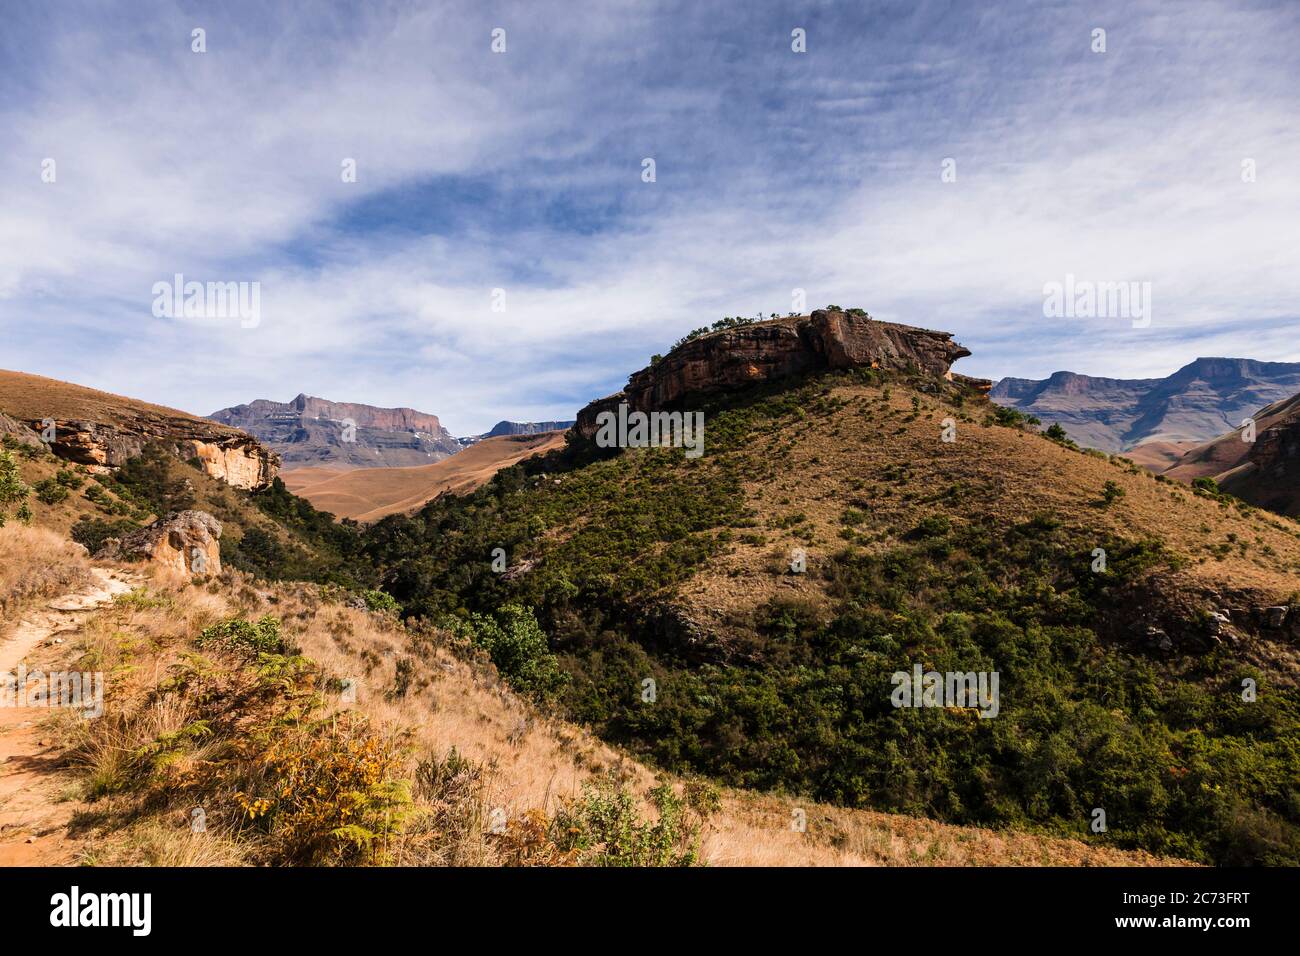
pixel 522 171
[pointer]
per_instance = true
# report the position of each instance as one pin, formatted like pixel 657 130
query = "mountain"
pixel 102 431
pixel 525 428
pixel 1265 472
pixel 1194 404
pixel 310 431
pixel 745 614
pixel 368 494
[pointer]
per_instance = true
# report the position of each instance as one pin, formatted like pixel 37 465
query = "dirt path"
pixel 35 805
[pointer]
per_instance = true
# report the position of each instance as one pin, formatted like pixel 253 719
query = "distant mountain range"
pixel 1199 402
pixel 518 428
pixel 308 432
pixel 315 431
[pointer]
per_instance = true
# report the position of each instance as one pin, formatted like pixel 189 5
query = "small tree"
pixel 13 490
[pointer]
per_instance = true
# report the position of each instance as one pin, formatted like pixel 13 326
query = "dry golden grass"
pixel 36 562
pixel 35 398
pixel 368 494
pixel 846 458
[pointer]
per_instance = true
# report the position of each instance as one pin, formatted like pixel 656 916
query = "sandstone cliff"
pixel 309 431
pixel 765 351
pixel 187 542
pixel 102 430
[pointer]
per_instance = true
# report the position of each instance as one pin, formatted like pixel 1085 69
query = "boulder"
pixel 1275 616
pixel 186 541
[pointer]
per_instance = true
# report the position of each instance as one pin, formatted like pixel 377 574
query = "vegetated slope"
pixel 315 431
pixel 300 728
pixel 1120 690
pixel 1156 456
pixel 1195 403
pixel 368 494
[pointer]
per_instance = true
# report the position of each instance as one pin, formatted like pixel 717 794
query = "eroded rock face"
pixel 777 349
pixel 315 431
pixel 187 542
pixel 102 431
pixel 227 455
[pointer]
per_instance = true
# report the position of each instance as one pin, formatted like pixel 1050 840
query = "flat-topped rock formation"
pixel 779 348
pixel 309 431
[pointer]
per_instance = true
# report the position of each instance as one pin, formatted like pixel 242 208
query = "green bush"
pixel 1111 492
pixel 604 828
pixel 93 532
pixel 13 490
pixel 517 645
pixel 49 491
pixel 260 637
pixel 381 601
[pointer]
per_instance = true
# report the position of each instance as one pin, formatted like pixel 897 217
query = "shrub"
pixel 517 645
pixel 13 490
pixel 603 827
pixel 1011 417
pixel 262 637
pixel 933 526
pixel 49 491
pixel 1111 492
pixel 381 601
pixel 93 532
pixel 331 795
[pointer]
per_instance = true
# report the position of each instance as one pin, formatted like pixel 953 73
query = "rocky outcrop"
pixel 309 431
pixel 16 431
pixel 765 351
pixel 102 431
pixel 226 455
pixel 187 542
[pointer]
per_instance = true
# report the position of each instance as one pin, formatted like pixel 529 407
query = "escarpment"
pixel 102 431
pixel 766 351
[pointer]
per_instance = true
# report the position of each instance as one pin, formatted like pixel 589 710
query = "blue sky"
pixel 522 171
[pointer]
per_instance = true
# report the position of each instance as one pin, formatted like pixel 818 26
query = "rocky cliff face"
pixel 314 431
pixel 186 542
pixel 524 428
pixel 102 431
pixel 765 351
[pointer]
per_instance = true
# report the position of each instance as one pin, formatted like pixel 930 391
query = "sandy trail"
pixel 34 807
